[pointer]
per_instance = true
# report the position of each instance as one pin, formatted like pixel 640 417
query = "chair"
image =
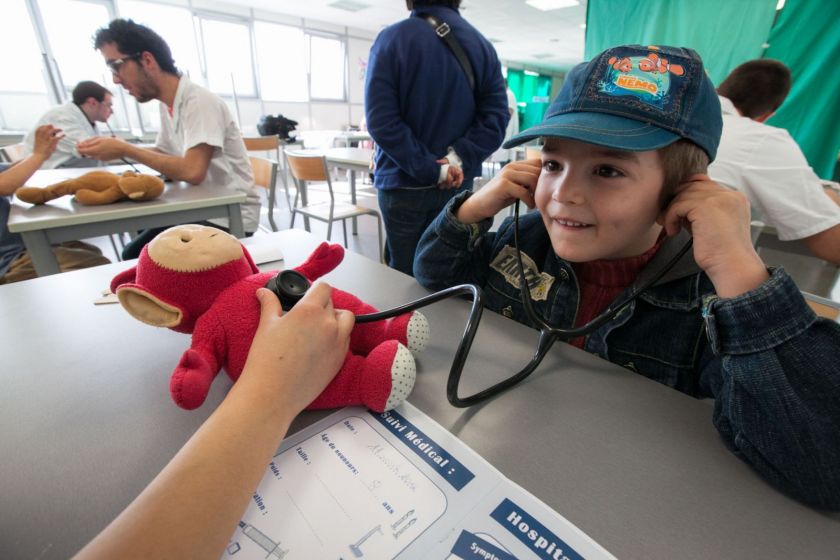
pixel 313 167
pixel 263 144
pixel 265 176
pixel 823 307
pixel 13 152
pixel 270 144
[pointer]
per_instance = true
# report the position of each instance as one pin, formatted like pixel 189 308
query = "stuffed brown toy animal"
pixel 97 187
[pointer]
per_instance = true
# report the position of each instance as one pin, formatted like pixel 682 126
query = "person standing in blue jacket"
pixel 432 130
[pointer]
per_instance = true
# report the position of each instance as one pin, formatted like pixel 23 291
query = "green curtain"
pixel 806 37
pixel 532 90
pixel 724 32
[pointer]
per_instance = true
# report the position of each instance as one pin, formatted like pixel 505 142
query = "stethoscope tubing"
pixel 548 333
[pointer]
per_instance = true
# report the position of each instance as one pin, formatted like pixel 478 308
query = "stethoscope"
pixel 290 286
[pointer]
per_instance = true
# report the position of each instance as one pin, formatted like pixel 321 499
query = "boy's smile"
pixel 599 203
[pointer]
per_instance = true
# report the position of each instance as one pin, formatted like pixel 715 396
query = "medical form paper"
pixel 359 484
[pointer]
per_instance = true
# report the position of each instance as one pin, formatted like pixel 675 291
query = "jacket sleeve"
pixel 773 367
pixel 384 120
pixel 487 130
pixel 452 253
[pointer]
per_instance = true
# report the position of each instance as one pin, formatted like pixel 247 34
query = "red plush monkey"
pixel 200 280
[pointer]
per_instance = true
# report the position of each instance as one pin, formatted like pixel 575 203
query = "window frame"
pixel 199 17
pixel 57 91
pixel 342 39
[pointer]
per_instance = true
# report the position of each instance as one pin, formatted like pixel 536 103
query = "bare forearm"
pixel 833 195
pixel 825 244
pixel 192 507
pixel 175 167
pixel 15 177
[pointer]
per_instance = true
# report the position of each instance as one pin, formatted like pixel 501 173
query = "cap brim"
pixel 602 129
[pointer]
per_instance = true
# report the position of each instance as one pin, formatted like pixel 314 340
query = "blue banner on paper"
pixel 532 533
pixel 427 449
pixel 472 547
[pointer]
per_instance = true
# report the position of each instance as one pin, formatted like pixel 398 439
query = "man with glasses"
pixel 199 142
pixel 91 103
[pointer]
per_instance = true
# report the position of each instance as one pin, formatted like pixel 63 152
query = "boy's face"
pixel 597 202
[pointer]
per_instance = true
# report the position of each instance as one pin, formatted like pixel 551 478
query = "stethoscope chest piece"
pixel 289 286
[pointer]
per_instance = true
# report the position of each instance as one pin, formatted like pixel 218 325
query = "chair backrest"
pixel 14 152
pixel 307 167
pixel 823 307
pixel 265 171
pixel 261 143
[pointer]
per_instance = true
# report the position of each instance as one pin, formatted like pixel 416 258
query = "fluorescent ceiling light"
pixel 349 5
pixel 531 73
pixel 546 5
pixel 780 4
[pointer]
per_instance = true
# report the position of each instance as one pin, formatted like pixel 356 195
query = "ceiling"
pixel 522 34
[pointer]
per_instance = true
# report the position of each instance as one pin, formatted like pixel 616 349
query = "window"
pixel 69 26
pixel 227 52
pixel 281 52
pixel 175 25
pixel 326 63
pixel 22 64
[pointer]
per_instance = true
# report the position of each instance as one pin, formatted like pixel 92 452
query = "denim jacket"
pixel 772 366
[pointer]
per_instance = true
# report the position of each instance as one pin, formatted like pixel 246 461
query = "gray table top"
pixel 351 158
pixel 65 211
pixel 87 423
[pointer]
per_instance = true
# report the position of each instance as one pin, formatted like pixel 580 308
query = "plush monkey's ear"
pixel 144 306
pixel 127 276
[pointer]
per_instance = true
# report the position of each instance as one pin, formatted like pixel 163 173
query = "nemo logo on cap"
pixel 634 83
pixel 647 78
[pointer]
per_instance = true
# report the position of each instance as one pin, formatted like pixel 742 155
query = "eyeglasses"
pixel 117 63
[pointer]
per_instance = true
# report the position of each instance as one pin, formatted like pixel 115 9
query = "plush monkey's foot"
pixel 411 329
pixel 403 375
pixel 388 376
pixel 380 381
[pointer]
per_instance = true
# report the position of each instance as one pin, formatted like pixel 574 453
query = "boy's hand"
pixel 719 220
pixel 46 140
pixel 516 181
pixel 102 148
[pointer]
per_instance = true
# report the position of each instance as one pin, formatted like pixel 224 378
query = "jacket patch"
pixel 539 283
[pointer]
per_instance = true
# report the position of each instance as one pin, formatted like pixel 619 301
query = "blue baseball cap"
pixel 635 98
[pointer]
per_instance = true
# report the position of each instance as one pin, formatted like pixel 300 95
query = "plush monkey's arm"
pixel 191 379
pixel 322 260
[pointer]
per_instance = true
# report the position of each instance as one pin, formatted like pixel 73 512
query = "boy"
pixel 619 187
